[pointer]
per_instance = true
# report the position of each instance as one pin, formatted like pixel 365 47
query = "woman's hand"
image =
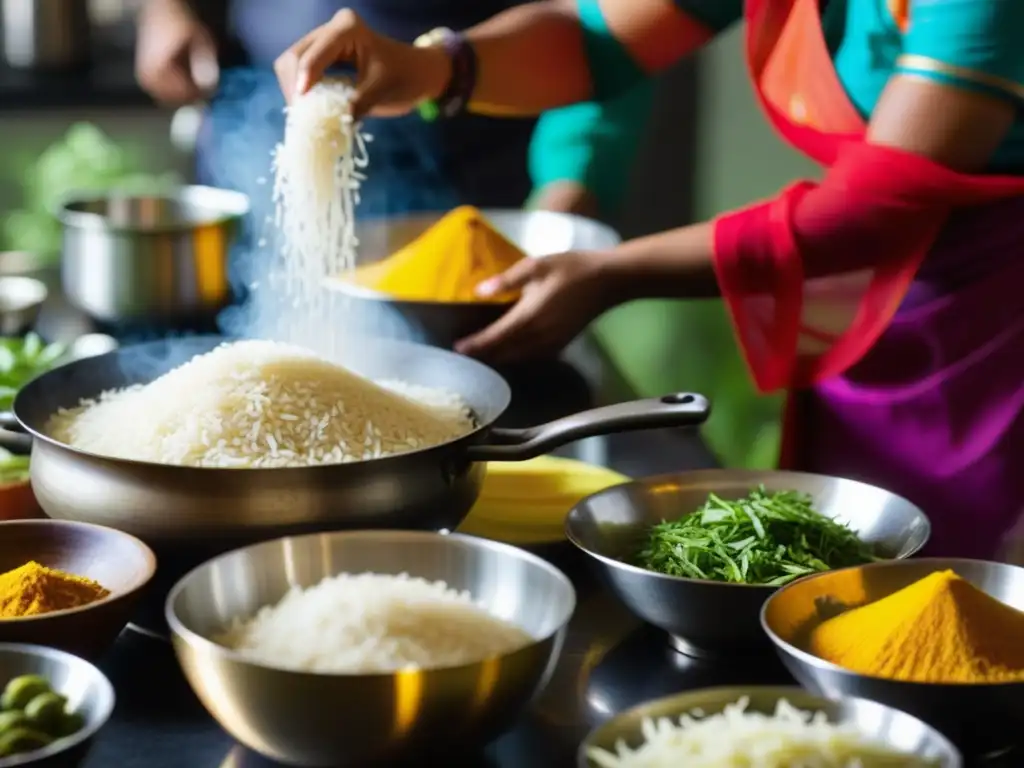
pixel 175 59
pixel 392 77
pixel 560 296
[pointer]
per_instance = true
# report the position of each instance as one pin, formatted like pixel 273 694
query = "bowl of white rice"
pixel 360 647
pixel 765 727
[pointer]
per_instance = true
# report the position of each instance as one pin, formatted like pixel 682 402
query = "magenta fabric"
pixel 935 411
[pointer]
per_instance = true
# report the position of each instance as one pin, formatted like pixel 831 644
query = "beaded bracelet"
pixel 455 97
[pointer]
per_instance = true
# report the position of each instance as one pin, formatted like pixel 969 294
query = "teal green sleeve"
pixel 594 143
pixel 975 44
pixel 613 70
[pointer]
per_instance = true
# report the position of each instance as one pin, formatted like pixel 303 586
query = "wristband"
pixel 456 95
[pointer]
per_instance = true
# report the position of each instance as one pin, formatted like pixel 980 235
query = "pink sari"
pixel 908 371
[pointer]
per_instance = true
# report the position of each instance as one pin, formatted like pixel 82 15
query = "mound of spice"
pixel 941 629
pixel 34 589
pixel 446 263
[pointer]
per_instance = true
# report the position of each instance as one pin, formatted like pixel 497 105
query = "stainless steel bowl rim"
pixel 37 434
pixel 320 468
pixel 62 745
pixel 368 294
pixel 232 205
pixel 41 291
pixel 816 661
pixel 197 641
pixel 740 691
pixel 636 569
pixel 47 522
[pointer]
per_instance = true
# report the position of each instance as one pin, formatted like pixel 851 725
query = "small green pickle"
pixel 33 715
pixel 46 711
pixel 21 690
pixel 15 718
pixel 18 740
pixel 70 724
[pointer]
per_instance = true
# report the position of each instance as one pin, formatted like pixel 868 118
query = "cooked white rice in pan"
pixel 262 404
pixel 373 623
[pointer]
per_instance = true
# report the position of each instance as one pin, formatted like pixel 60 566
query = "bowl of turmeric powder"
pixel 71 586
pixel 942 639
pixel 417 275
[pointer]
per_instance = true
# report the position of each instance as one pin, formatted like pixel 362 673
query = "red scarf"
pixel 796 329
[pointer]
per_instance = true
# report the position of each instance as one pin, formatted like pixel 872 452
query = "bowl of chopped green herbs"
pixel 21 360
pixel 698 553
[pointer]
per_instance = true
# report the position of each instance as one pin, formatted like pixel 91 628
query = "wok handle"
pixel 11 436
pixel 679 409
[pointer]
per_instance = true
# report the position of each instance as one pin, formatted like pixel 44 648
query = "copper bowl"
pixel 118 561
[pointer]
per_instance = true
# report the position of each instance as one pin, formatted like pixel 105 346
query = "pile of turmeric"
pixel 941 629
pixel 444 264
pixel 34 589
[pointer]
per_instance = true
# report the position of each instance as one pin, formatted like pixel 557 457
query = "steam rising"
pixel 244 126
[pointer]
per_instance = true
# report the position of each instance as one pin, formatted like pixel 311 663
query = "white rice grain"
pixel 789 738
pixel 372 623
pixel 261 404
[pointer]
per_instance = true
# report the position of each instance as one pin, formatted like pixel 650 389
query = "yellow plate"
pixel 526 502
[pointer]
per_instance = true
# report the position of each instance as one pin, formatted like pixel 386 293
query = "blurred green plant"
pixel 84 160
pixel 661 346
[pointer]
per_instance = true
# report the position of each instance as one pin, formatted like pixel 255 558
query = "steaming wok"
pixel 432 488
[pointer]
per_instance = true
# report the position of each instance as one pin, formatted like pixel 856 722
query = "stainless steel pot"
pixel 161 259
pixel 46 35
pixel 430 489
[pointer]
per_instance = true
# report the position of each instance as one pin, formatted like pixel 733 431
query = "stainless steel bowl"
pixel 876 722
pixel 980 719
pixel 707 617
pixel 87 689
pixel 161 259
pixel 441 324
pixel 21 299
pixel 330 720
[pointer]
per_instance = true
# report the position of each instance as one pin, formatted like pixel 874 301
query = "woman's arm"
pixel 529 59
pixel 957 128
pixel 598 48
pixel 952 100
pixel 581 157
pixel 942 116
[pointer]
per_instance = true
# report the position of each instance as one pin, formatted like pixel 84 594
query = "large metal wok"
pixel 432 488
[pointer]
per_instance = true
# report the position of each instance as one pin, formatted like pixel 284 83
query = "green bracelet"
pixel 428 110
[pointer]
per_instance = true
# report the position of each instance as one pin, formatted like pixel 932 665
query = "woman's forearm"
pixel 677 264
pixel 530 58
